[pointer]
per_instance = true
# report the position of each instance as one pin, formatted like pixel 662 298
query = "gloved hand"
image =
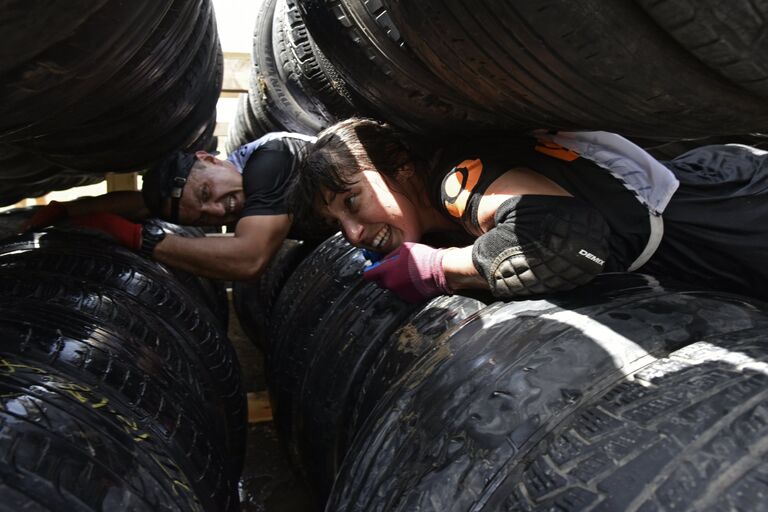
pixel 49 214
pixel 125 232
pixel 414 272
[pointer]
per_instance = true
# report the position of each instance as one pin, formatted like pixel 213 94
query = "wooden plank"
pixel 122 181
pixel 259 409
pixel 221 130
pixel 237 72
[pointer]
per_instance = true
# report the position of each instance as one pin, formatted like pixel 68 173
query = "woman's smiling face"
pixel 375 213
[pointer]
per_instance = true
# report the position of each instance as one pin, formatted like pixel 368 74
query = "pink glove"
pixel 125 232
pixel 414 272
pixel 49 214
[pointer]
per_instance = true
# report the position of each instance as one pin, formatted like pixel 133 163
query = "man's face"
pixel 213 194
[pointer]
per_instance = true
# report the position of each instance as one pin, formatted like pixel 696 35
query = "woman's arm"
pixel 460 272
pixel 515 182
pixel 537 239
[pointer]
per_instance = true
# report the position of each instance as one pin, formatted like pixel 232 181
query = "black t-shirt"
pixel 482 161
pixel 267 175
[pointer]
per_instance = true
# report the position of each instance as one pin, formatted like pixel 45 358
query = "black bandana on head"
pixel 166 180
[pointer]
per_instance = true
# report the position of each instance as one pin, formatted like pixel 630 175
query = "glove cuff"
pixel 438 273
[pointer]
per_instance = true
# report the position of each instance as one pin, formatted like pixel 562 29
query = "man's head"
pixel 194 189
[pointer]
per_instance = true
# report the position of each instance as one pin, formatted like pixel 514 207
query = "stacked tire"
pixel 254 301
pixel 661 70
pixel 103 87
pixel 629 393
pixel 293 87
pixel 435 67
pixel 24 174
pixel 120 388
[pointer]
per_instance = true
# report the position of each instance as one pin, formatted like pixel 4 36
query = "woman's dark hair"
pixel 347 148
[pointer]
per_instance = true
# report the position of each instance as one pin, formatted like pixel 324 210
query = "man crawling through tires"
pixel 199 189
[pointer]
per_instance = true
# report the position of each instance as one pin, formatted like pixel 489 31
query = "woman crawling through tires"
pixel 537 214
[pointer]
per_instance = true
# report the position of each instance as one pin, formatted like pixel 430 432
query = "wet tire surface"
pixel 121 390
pixel 624 393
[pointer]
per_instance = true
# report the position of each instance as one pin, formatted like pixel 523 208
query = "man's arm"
pixel 240 257
pixel 126 203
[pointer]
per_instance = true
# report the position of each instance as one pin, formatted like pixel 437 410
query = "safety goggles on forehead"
pixel 174 188
pixel 177 189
